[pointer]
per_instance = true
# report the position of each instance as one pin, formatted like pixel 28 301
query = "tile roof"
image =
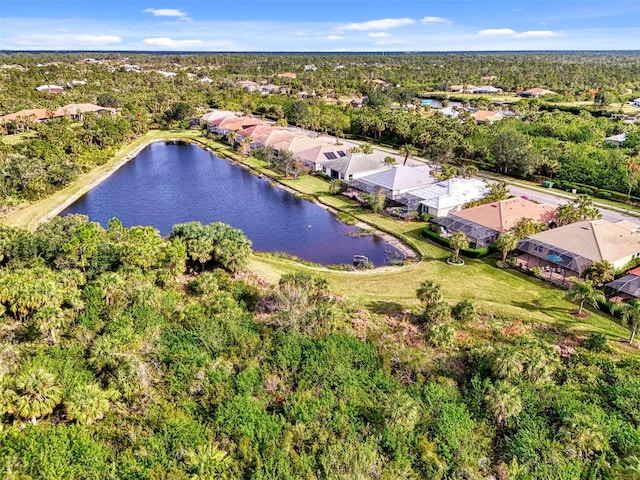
pixel 502 216
pixel 401 177
pixel 357 163
pixel 595 240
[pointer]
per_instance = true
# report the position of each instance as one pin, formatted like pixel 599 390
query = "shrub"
pixel 440 335
pixel 596 342
pixel 464 311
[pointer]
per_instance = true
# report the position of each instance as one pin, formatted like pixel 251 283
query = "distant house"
pixel 73 110
pixel 289 75
pixel 215 114
pixel 535 92
pixel 355 165
pixel 440 198
pixel 488 78
pixel 166 74
pixel 617 140
pixel 359 101
pixel 268 89
pixel 205 80
pixel 231 123
pixel 570 249
pixel 50 89
pixel 77 110
pixel 486 90
pixel 466 88
pixel 310 67
pixel 248 85
pixel 635 102
pixel 450 111
pixel 483 224
pixel 487 116
pixel 396 181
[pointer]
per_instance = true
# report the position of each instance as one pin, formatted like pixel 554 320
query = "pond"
pixel 176 182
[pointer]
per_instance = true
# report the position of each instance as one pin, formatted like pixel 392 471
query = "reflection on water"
pixel 169 183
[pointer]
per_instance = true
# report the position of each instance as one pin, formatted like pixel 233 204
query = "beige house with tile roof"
pixel 483 224
pixel 575 246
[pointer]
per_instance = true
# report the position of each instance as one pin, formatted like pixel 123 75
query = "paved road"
pixel 554 197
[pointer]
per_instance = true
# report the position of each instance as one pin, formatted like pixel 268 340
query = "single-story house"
pixel 441 198
pixel 487 90
pixel 73 110
pixel 355 165
pixel 50 89
pixel 570 249
pixel 487 116
pixel 483 224
pixel 465 88
pixel 232 123
pixel 298 143
pixel 636 102
pixel 535 92
pixel 313 158
pixel 450 111
pixel 216 114
pixel 617 140
pixel 396 181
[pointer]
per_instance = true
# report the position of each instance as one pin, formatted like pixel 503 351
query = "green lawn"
pixel 18 137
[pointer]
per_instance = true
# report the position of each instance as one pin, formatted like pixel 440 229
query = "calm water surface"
pixel 169 183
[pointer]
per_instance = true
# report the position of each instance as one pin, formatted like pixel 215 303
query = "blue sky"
pixel 307 25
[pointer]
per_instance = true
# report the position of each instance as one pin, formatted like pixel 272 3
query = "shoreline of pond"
pixel 410 254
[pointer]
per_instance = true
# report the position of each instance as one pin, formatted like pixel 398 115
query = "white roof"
pixel 451 193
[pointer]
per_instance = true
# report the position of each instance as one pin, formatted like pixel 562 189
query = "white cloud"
pixel 435 20
pixel 382 24
pixel 492 32
pixel 495 32
pixel 166 12
pixel 334 37
pixel 169 42
pixel 538 34
pixel 378 34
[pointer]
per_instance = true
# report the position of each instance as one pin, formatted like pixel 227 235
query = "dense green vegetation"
pixel 126 355
pixel 546 140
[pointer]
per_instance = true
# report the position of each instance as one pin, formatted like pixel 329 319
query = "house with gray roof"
pixel 440 198
pixel 355 165
pixel 617 140
pixel 570 249
pixel 396 181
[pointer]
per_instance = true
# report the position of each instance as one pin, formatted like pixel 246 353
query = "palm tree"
pixel 407 150
pixel 503 401
pixel 389 161
pixel 469 171
pixel 458 241
pixel 88 403
pixel 584 292
pixel 629 314
pixel 366 148
pixel 36 394
pixel 429 293
pixel 506 243
pixel 600 272
pixel 231 138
